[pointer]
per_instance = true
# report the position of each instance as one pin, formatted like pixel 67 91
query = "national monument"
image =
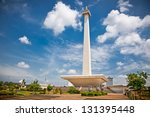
pixel 87 79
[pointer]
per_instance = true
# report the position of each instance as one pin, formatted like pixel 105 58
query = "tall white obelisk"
pixel 87 79
pixel 86 46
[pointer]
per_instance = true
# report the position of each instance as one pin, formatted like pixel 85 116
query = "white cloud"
pixel 60 71
pixel 92 4
pixel 122 76
pixel 126 31
pixel 132 66
pixel 120 79
pixel 73 54
pixel 79 2
pixel 128 67
pixel 133 44
pixel 60 17
pixel 12 73
pixel 72 57
pixel 100 57
pixel 120 63
pixel 65 71
pixel 117 23
pixel 145 66
pixel 131 50
pixel 25 40
pixel 72 71
pixel 146 21
pixel 101 54
pixel 146 48
pixel 124 5
pixel 29 18
pixel 77 46
pixel 22 64
pixel 131 39
pixel 60 61
pixel 121 24
pixel 124 68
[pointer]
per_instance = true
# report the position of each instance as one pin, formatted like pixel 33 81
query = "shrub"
pixel 49 87
pixel 23 89
pixel 42 91
pixel 11 93
pixel 56 90
pixel 20 94
pixel 3 87
pixel 94 93
pixel 4 92
pixel 60 91
pixel 73 90
pixel 104 93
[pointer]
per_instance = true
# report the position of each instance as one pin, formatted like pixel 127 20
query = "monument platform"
pixel 86 80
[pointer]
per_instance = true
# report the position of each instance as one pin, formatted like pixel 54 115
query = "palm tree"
pixel 34 86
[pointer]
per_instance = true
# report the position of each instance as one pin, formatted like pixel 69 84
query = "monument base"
pixel 86 80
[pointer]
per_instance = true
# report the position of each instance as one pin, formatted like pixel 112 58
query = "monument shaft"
pixel 87 78
pixel 86 46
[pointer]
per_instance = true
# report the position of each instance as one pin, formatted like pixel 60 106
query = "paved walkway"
pixel 110 96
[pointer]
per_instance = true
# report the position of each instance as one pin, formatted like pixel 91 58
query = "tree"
pixel 137 80
pixel 22 83
pixel 1 83
pixel 34 86
pixel 11 86
pixel 49 88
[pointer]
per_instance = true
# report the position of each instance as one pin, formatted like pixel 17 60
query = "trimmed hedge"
pixel 94 93
pixel 73 90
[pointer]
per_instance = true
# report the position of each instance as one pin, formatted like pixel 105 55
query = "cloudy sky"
pixel 43 39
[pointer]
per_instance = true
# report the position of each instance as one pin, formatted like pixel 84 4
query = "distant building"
pixel 43 86
pixel 148 81
pixel 110 81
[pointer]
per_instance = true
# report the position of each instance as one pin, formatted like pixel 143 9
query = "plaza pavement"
pixel 110 96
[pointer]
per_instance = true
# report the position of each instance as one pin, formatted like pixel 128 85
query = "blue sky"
pixel 43 39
